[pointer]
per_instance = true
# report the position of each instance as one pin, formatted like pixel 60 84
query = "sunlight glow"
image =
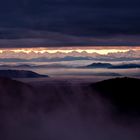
pixel 27 53
pixel 103 51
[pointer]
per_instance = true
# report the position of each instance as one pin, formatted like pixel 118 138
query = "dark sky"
pixel 28 23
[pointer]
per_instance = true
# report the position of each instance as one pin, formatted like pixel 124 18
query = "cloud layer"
pixel 30 23
pixel 125 55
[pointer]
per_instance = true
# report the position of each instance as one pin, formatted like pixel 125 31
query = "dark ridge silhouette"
pixel 20 74
pixel 18 96
pixel 99 65
pixel 111 66
pixel 107 74
pixel 123 93
pixel 35 66
pixel 125 66
pixel 16 66
pixel 55 59
pixel 15 94
pixel 45 59
pixel 12 60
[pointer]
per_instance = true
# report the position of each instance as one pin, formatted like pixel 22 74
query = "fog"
pixel 64 111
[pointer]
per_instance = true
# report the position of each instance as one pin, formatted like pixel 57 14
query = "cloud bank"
pixel 125 55
pixel 35 23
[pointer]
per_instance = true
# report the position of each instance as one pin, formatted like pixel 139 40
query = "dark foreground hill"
pixel 67 111
pixel 14 94
pixel 123 93
pixel 20 74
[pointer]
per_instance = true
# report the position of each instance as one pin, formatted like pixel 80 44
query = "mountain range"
pixel 112 66
pixel 20 74
pixel 67 58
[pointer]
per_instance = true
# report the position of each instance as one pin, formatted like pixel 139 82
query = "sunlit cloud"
pixel 69 51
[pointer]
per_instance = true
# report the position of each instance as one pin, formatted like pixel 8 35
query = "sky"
pixel 63 23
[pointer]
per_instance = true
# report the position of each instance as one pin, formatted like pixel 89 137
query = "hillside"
pixel 123 93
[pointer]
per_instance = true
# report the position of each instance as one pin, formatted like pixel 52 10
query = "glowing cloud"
pixel 103 51
pixel 61 52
